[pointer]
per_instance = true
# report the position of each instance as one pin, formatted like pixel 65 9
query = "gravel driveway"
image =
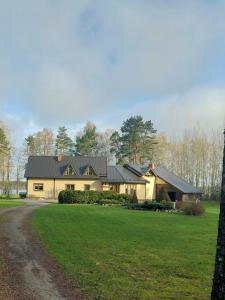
pixel 28 272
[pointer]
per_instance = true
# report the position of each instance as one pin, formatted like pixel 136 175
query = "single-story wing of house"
pixel 48 175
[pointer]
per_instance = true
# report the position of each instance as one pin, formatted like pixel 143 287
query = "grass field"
pixel 10 197
pixel 9 203
pixel 114 253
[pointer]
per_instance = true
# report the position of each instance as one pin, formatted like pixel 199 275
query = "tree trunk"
pixel 17 180
pixel 218 289
pixel 8 176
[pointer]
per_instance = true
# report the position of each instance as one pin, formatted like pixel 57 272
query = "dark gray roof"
pixel 139 170
pixel 176 181
pixel 49 167
pixel 119 174
pixel 166 175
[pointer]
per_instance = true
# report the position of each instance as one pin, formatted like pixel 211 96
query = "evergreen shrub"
pixel 91 197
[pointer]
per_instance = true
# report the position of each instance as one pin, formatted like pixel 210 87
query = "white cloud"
pixel 71 61
pixel 203 106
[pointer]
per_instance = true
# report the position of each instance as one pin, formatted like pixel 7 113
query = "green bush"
pixel 192 208
pixel 90 197
pixel 151 205
pixel 134 197
pixel 108 201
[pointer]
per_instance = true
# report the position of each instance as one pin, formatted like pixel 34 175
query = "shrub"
pixel 89 197
pixel 108 201
pixel 134 197
pixel 67 196
pixel 163 195
pixel 192 208
pixel 151 205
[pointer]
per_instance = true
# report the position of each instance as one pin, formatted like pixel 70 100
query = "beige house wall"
pixel 144 191
pixel 48 191
pixel 95 185
pixel 60 185
pixel 140 189
pixel 150 187
pixel 141 192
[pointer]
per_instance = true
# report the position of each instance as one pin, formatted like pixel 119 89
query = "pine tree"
pixel 218 289
pixel 135 143
pixel 30 145
pixel 86 143
pixel 64 144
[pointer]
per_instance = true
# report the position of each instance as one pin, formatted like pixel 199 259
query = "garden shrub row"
pixel 151 205
pixel 89 197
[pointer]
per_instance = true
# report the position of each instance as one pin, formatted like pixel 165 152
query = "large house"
pixel 48 175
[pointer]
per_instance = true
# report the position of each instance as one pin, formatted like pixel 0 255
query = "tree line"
pixel 196 155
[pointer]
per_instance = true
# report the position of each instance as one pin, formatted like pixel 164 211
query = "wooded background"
pixel 195 155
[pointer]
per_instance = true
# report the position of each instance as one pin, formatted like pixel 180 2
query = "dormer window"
pixel 89 171
pixel 69 171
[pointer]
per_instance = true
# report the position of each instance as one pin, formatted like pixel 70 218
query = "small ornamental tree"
pixel 163 195
pixel 134 197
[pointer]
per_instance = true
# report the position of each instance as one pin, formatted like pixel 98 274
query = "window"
pixel 89 171
pixel 115 188
pixel 70 187
pixel 69 171
pixel 38 186
pixel 87 187
pixel 130 189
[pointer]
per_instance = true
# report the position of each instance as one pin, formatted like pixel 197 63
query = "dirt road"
pixel 29 273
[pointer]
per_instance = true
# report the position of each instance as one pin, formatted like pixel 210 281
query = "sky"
pixel 64 62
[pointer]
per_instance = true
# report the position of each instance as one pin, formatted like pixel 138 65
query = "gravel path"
pixel 29 273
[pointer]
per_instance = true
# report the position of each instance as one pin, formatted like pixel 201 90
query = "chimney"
pixel 151 166
pixel 59 157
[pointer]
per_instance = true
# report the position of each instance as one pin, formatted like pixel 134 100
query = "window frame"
pixel 70 169
pixel 38 189
pixel 87 185
pixel 89 171
pixel 70 184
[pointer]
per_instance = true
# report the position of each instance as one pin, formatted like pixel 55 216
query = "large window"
pixel 38 186
pixel 87 187
pixel 70 187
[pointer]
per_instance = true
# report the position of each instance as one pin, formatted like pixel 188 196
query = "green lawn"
pixel 9 197
pixel 9 203
pixel 114 253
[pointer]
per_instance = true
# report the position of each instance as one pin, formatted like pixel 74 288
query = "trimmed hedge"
pixel 151 205
pixel 90 197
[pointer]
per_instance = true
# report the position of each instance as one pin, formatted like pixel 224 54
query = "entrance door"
pixel 172 196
